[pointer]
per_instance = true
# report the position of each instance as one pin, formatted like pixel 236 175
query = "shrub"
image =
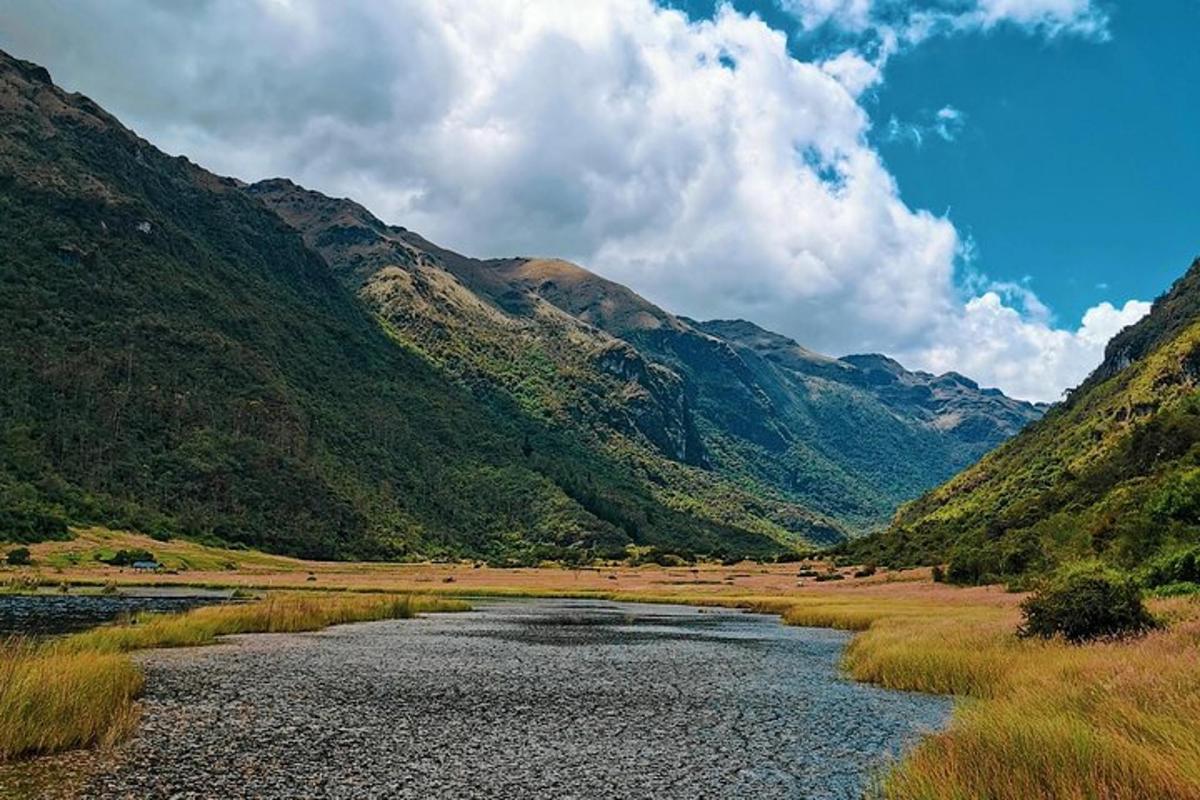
pixel 866 571
pixel 18 557
pixel 939 574
pixel 1177 566
pixel 1087 601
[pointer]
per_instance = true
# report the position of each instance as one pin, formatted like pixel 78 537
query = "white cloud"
pixel 1029 357
pixel 882 28
pixel 852 15
pixel 946 123
pixel 1078 17
pixel 696 161
pixel 915 19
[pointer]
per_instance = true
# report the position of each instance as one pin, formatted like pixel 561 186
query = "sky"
pixel 994 187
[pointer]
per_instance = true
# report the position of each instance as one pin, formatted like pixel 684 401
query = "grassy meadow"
pixel 1034 719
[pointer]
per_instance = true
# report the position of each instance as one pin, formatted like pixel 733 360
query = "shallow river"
pixel 528 699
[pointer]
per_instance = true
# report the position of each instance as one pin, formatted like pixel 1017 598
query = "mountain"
pixel 262 365
pixel 847 439
pixel 1113 472
pixel 174 358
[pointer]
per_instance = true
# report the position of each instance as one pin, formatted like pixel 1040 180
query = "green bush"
pixel 1084 602
pixel 18 557
pixel 1176 566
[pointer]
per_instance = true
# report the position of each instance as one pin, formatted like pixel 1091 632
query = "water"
pixel 523 700
pixel 46 613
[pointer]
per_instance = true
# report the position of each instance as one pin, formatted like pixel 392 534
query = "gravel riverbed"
pixel 521 699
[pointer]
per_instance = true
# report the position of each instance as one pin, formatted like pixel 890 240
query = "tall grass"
pixel 51 700
pixel 290 613
pixel 81 690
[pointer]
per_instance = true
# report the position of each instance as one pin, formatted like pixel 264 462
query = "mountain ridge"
pixel 258 364
pixel 725 412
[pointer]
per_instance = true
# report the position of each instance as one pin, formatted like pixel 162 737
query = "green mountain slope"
pixel 174 358
pixel 820 438
pixel 507 346
pixel 1112 472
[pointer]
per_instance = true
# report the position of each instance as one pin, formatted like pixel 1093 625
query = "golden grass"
pixel 81 690
pixel 52 701
pixel 290 613
pixel 1036 720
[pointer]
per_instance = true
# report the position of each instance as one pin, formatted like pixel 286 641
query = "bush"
pixel 26 523
pixel 939 574
pixel 866 571
pixel 18 557
pixel 1085 602
pixel 1178 566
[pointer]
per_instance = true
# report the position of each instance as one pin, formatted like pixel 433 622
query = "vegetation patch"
pixel 1087 601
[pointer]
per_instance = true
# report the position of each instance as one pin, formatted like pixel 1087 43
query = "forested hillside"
pixel 173 358
pixel 1113 472
pixel 847 439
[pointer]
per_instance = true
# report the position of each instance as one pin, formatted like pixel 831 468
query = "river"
pixel 516 699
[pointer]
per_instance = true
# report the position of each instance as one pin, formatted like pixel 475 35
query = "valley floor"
pixel 530 698
pixel 1034 720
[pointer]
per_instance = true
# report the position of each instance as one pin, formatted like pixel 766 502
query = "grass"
pixel 81 690
pixel 1036 720
pixel 52 700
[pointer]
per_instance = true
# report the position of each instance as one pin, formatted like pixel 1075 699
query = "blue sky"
pixel 1076 165
pixel 994 187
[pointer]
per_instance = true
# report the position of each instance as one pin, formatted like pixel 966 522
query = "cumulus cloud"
pixel 1027 355
pixel 697 161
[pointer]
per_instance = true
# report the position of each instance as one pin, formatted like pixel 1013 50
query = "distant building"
pixel 149 566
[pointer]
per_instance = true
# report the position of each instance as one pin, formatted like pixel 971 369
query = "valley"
pixel 295 501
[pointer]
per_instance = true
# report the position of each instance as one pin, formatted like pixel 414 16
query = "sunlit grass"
pixel 81 690
pixel 52 700
pixel 289 613
pixel 1035 720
